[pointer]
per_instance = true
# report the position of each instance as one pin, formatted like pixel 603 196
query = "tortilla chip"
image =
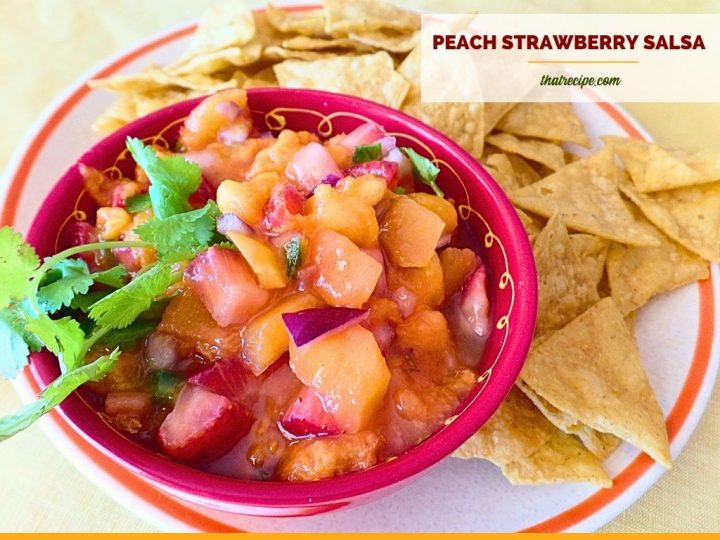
pixel 493 113
pixel 394 43
pixel 370 76
pixel 224 25
pixel 307 22
pixel 274 52
pixel 654 168
pixel 690 216
pixel 524 172
pixel 586 195
pixel 211 62
pixel 562 459
pixel 636 274
pixel 461 122
pixel 152 101
pixel 591 251
pixel 591 370
pixel 566 287
pixel 556 122
pixel 343 17
pixel 600 444
pixel 156 78
pixel 516 430
pixel 304 43
pixel 532 225
pixel 502 171
pixel 546 153
pixel 527 447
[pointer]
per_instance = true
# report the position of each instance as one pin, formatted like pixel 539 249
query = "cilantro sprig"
pixel 59 304
pixel 367 152
pixel 424 170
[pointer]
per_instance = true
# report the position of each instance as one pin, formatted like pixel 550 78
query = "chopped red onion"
pixel 387 144
pixel 310 324
pixel 229 222
pixel 331 179
pixel 404 166
pixel 229 109
pixel 405 300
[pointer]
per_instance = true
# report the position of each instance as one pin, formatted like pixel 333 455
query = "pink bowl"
pixel 481 203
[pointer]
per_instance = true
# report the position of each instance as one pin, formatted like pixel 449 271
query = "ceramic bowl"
pixel 482 207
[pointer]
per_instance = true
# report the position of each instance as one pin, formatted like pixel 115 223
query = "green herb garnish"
pixel 120 311
pixel 138 203
pixel 293 255
pixel 367 152
pixel 424 170
pixel 400 190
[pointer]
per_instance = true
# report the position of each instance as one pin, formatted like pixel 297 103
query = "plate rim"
pixel 70 443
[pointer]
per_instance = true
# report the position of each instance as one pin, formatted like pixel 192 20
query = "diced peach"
pixel 203 425
pixel 265 337
pixel 127 374
pixel 369 189
pixel 130 403
pixel 220 161
pixel 187 319
pixel 246 199
pixel 444 209
pixel 324 457
pixel 344 275
pixel 457 265
pixel 426 330
pixel 264 260
pixel 275 158
pixel 226 285
pixel 426 283
pixel 345 214
pixel 112 222
pixel 409 233
pixel 214 114
pixel 310 165
pixel 349 372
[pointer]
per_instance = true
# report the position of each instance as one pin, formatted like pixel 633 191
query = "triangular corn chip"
pixel 566 287
pixel 343 17
pixel 591 251
pixel 690 216
pixel 550 121
pixel 548 154
pixel 585 193
pixel 591 370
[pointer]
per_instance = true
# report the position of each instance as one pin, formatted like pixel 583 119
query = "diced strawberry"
pixel 363 134
pixel 384 169
pixel 81 233
pixel 474 303
pixel 130 258
pixel 307 416
pixel 285 201
pixel 205 193
pixel 203 425
pixel 228 377
pixel 310 165
pixel 226 285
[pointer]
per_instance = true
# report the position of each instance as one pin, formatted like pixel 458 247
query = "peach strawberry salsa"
pixel 292 308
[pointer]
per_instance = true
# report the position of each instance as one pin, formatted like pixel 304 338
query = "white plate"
pixel 675 333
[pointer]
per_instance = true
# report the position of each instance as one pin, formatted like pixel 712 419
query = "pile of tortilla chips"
pixel 609 231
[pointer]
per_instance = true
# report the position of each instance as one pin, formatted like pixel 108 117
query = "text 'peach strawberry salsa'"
pixel 285 308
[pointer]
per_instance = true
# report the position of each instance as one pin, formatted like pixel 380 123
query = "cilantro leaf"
pixel 293 254
pixel 138 203
pixel 367 152
pixel 181 236
pixel 15 350
pixel 400 190
pixel 74 279
pixel 424 170
pixel 56 392
pixel 115 277
pixel 172 179
pixel 18 261
pixel 62 337
pixel 84 301
pixel 121 307
pixel 126 338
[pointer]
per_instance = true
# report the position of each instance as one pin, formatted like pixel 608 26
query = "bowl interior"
pixel 483 209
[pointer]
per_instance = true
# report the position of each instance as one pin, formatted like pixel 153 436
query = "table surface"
pixel 45 45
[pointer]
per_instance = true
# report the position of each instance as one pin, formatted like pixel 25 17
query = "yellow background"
pixel 45 45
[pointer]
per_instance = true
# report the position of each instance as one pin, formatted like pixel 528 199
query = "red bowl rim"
pixel 209 487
